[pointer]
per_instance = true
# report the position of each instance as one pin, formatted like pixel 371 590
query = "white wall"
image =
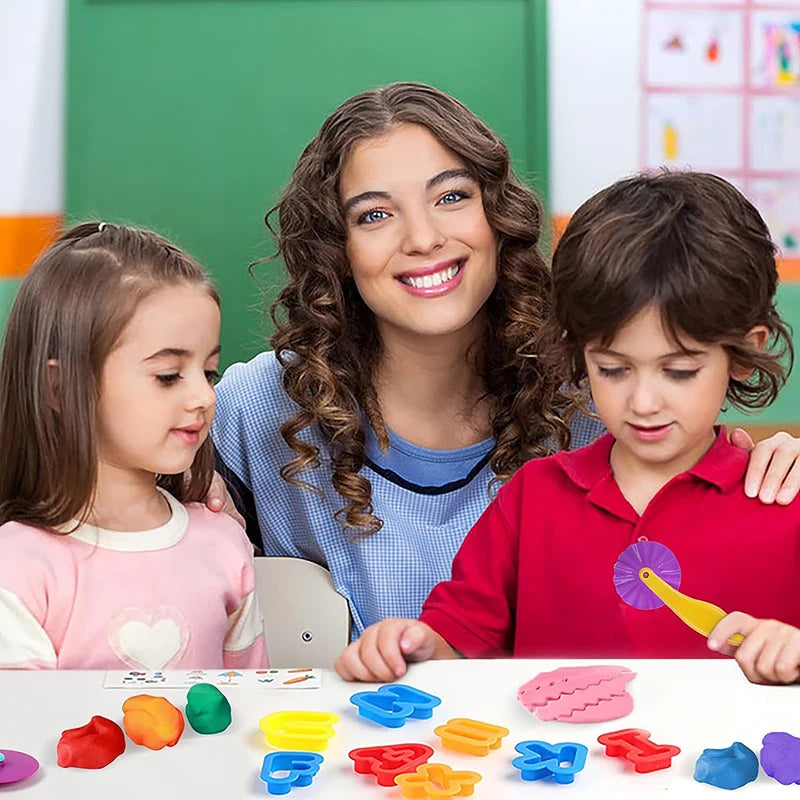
pixel 31 106
pixel 594 96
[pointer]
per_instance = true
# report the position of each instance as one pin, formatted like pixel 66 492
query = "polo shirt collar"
pixel 722 466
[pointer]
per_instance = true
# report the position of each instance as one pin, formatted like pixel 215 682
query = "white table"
pixel 692 704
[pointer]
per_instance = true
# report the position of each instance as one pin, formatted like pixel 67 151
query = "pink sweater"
pixel 178 596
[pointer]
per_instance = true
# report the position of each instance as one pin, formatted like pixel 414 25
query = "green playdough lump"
pixel 207 709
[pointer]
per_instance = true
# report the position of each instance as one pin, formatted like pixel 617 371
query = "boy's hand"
pixel 381 652
pixel 770 652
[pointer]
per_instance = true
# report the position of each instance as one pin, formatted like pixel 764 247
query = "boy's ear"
pixel 53 383
pixel 757 338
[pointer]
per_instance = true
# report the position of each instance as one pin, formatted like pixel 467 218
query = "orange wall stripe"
pixel 22 239
pixel 788 268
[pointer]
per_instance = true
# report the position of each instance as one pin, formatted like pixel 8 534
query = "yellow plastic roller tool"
pixel 699 615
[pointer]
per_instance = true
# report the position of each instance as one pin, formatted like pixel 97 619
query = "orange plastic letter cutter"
pixel 299 730
pixel 388 761
pixel 471 736
pixel 434 781
pixel 634 744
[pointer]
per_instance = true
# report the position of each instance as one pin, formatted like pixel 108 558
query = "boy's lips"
pixel 651 433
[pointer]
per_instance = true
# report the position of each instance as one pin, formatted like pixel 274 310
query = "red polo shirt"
pixel 533 578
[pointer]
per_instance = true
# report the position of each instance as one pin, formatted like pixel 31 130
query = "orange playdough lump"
pixel 152 721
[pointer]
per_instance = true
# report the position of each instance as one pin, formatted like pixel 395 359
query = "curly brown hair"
pixel 688 242
pixel 326 338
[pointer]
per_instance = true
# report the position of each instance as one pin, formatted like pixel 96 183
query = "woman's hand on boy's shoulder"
pixel 382 651
pixel 770 652
pixel 773 474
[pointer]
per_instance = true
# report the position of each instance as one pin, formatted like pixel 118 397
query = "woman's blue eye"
pixel 452 197
pixel 682 374
pixel 376 215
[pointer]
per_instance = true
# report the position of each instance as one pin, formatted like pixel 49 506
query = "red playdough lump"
pixel 93 746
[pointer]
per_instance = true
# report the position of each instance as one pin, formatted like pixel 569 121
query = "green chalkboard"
pixel 188 116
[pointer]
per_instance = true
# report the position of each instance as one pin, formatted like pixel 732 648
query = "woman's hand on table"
pixel 770 652
pixel 773 474
pixel 381 653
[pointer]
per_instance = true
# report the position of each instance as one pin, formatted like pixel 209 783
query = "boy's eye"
pixel 212 376
pixel 682 374
pixel 168 379
pixel 372 216
pixel 611 372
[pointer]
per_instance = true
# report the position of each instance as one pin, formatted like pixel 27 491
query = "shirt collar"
pixel 723 465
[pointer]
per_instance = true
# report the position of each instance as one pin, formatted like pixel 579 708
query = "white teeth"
pixel 435 279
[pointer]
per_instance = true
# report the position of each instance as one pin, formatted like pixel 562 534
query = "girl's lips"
pixel 189 435
pixel 445 287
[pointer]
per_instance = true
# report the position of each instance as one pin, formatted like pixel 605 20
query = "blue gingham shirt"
pixel 391 572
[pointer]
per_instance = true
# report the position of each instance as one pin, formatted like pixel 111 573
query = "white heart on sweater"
pixel 149 641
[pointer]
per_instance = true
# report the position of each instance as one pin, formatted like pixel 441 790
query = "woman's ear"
pixel 53 384
pixel 757 337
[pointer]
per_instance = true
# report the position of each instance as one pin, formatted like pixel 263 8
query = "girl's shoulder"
pixel 215 527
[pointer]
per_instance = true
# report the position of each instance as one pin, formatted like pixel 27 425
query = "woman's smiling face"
pixel 421 251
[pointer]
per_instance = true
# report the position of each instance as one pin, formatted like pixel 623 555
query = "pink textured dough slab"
pixel 579 694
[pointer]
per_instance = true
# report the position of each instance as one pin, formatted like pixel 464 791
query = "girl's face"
pixel 421 251
pixel 156 395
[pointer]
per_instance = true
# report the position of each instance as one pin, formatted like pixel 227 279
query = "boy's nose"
pixel 645 399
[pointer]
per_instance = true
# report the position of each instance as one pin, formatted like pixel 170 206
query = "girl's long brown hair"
pixel 326 338
pixel 69 313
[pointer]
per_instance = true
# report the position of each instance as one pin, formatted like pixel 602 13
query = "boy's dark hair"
pixel 69 313
pixel 691 244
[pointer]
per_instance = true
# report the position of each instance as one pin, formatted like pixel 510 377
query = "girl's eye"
pixel 452 197
pixel 611 372
pixel 369 217
pixel 212 376
pixel 682 374
pixel 169 379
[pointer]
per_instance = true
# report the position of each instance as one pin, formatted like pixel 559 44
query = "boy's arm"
pixel 382 651
pixel 475 611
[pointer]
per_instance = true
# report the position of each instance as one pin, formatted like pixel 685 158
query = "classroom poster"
pixel 721 93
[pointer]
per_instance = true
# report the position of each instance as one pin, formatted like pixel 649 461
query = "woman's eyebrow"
pixel 363 197
pixel 449 175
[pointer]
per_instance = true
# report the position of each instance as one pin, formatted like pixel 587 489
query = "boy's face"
pixel 659 402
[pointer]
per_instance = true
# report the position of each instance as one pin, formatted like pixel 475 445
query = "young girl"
pixel 664 298
pixel 106 398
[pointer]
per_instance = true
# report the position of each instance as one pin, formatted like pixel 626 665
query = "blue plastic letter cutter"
pixel 392 704
pixel 287 768
pixel 542 760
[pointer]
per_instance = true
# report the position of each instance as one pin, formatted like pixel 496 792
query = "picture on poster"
pixel 779 203
pixel 701 131
pixel 775 133
pixel 775 49
pixel 694 49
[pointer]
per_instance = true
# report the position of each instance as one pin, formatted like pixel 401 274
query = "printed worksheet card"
pixel 694 49
pixel 701 131
pixel 775 49
pixel 775 133
pixel 299 678
pixel 778 200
